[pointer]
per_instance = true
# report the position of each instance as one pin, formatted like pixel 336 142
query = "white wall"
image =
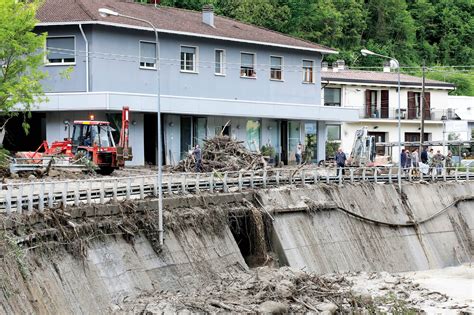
pixel 391 130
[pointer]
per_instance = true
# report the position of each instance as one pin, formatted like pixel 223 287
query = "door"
pixel 284 141
pixel 384 104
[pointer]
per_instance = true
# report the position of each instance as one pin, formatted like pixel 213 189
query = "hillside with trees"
pixel 440 32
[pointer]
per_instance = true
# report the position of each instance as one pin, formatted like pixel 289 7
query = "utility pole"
pixel 422 106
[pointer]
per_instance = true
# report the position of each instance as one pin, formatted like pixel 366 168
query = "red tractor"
pixel 92 139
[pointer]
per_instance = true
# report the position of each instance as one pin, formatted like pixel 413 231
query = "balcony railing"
pixel 394 114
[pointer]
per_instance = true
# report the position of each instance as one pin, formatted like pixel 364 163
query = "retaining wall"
pixel 311 233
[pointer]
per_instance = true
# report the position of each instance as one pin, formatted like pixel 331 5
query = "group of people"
pixel 434 161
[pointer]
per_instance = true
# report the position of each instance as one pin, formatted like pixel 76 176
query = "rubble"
pixel 290 290
pixel 222 153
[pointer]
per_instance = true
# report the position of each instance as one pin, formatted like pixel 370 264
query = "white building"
pixel 375 96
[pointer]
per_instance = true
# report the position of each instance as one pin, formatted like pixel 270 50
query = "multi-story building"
pixel 215 75
pixel 374 95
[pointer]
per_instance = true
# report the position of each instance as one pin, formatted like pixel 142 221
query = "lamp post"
pixel 444 118
pixel 395 62
pixel 106 13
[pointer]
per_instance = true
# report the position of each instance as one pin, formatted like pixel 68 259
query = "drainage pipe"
pixel 87 57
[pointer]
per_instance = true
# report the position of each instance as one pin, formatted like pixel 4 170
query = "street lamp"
pixel 444 118
pixel 106 13
pixel 393 63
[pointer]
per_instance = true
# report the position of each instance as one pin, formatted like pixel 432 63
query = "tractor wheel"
pixel 105 170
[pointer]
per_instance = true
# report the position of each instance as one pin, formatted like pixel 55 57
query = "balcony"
pixel 393 114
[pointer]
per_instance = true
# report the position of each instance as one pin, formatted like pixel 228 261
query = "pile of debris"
pixel 222 153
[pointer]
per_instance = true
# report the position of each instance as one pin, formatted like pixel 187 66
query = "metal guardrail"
pixel 26 197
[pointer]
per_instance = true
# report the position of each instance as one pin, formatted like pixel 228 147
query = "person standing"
pixel 340 161
pixel 438 159
pixel 449 162
pixel 197 158
pixel 424 156
pixel 298 153
pixel 415 159
pixel 403 159
pixel 430 160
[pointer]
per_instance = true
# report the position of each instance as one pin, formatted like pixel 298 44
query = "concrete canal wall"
pixel 88 258
pixel 330 228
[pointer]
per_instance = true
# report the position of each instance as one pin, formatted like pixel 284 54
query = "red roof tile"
pixel 167 19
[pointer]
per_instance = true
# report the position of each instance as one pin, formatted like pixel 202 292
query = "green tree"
pixel 20 59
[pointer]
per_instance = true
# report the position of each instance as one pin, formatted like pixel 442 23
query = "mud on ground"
pixel 267 290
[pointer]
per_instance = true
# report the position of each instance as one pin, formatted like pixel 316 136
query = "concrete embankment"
pixel 372 227
pixel 86 259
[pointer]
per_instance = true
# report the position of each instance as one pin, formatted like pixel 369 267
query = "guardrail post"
pixel 363 174
pixel 76 194
pixel 277 177
pixel 303 177
pixel 341 169
pixel 8 200
pixel 155 186
pixel 351 171
pixel 128 188
pixel 264 178
pixel 390 175
pixel 114 191
pixel 226 188
pixel 252 175
pixel 51 196
pixel 89 194
pixel 142 188
pixel 211 183
pixel 41 197
pixel 315 176
pixel 240 180
pixel 327 176
pixel 102 192
pixel 19 200
pixel 30 198
pixel 409 173
pixel 444 175
pixel 183 184
pixel 198 189
pixel 467 172
pixel 456 173
pixel 170 184
pixel 64 195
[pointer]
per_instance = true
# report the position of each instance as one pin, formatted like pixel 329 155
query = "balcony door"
pixel 414 105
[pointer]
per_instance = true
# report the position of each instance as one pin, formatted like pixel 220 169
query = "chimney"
pixel 324 66
pixel 334 66
pixel 340 64
pixel 208 14
pixel 386 66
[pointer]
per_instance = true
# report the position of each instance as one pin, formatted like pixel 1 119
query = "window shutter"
pixel 148 52
pixel 247 60
pixel 427 106
pixel 384 104
pixel 190 50
pixel 368 111
pixel 411 105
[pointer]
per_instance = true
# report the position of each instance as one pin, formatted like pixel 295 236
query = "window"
pixel 61 50
pixel 188 59
pixel 219 62
pixel 147 55
pixel 276 68
pixel 308 71
pixel 334 132
pixel 332 97
pixel 247 67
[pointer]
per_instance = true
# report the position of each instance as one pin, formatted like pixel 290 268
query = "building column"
pixel 322 138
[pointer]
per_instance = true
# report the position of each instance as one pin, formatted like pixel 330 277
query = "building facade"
pixel 375 96
pixel 214 75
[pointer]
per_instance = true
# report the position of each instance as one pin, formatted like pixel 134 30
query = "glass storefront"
pixel 310 142
pixel 253 129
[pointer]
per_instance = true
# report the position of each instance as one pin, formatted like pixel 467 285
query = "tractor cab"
pixel 89 134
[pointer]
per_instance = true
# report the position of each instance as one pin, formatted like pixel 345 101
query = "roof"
pixel 166 20
pixel 378 77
